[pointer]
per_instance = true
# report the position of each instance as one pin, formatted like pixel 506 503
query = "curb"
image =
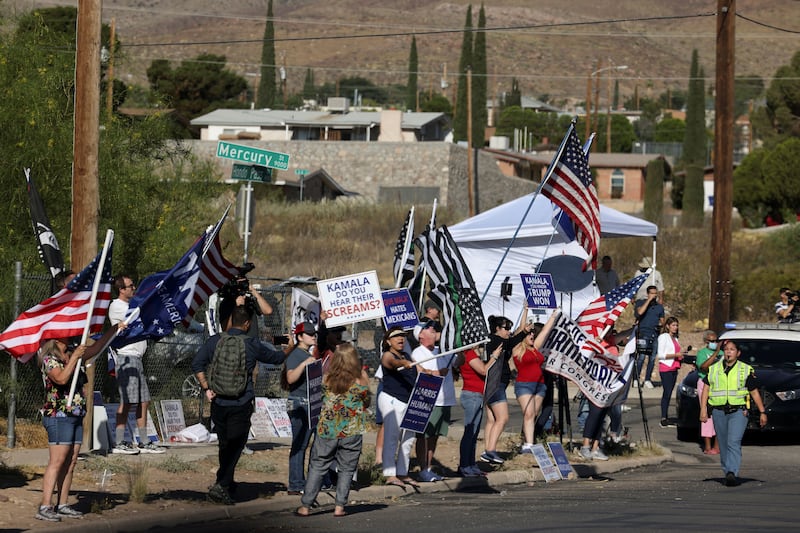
pixel 373 493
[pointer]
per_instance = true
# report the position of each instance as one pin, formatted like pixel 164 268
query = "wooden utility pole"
pixel 85 147
pixel 588 105
pixel 596 122
pixel 608 115
pixel 110 72
pixel 721 284
pixel 470 170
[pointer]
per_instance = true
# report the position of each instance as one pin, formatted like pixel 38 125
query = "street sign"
pixel 251 173
pixel 256 156
pixel 301 171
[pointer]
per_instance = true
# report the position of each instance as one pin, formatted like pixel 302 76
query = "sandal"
pixel 409 481
pixel 338 513
pixel 396 482
pixel 302 511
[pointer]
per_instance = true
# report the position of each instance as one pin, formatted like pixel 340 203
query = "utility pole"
pixel 721 284
pixel 596 122
pixel 86 140
pixel 608 115
pixel 110 72
pixel 588 105
pixel 470 170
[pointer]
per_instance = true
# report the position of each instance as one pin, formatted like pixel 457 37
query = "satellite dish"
pixel 567 272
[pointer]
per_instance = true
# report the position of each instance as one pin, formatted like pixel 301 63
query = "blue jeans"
pixel 472 402
pixel 345 452
pixel 298 415
pixel 730 430
pixel 63 430
pixel 668 380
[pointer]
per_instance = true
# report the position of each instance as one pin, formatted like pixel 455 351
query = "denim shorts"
pixel 63 429
pixel 499 396
pixel 533 388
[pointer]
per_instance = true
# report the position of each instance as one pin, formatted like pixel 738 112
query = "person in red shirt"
pixel 530 387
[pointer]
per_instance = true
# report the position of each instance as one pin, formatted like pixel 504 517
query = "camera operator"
pixel 787 309
pixel 650 316
pixel 237 292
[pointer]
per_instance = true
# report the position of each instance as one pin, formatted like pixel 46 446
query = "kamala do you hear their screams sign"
pixel 353 298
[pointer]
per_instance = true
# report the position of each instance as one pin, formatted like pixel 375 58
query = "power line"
pixel 765 25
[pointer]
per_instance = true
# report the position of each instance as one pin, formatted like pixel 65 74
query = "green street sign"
pixel 301 171
pixel 251 173
pixel 255 156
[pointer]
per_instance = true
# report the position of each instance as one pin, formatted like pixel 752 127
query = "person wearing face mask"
pixel 707 356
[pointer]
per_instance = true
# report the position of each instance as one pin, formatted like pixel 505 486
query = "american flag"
pixel 404 252
pixel 49 250
pixel 64 314
pixel 571 188
pixel 453 290
pixel 605 310
pixel 168 298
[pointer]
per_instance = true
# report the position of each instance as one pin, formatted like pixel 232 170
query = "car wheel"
pixel 191 387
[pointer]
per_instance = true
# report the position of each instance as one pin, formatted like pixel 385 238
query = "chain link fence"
pixel 167 362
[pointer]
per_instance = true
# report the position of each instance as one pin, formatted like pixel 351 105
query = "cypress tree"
pixel 464 62
pixel 694 148
pixel 514 97
pixel 654 190
pixel 480 115
pixel 267 92
pixel 413 67
pixel 309 90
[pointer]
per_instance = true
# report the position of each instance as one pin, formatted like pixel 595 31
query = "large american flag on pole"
pixel 453 289
pixel 64 314
pixel 404 252
pixel 572 189
pixel 168 298
pixel 605 310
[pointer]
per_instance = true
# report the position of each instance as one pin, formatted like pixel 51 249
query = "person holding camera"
pixel 237 292
pixel 649 313
pixel 786 308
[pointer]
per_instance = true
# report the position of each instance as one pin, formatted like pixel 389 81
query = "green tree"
pixel 746 90
pixel 780 118
pixel 436 103
pixel 480 116
pixel 267 88
pixel 750 193
pixel 654 190
pixel 694 148
pixel 309 89
pixel 670 130
pixel 514 97
pixel 413 67
pixel 464 64
pixel 196 87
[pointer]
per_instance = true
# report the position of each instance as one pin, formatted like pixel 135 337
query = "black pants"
pixel 232 425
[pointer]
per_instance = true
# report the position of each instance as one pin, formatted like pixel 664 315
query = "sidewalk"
pixel 125 516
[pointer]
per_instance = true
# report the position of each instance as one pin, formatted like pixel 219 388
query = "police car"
pixel 773 350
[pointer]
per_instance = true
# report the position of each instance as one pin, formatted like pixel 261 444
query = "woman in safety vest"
pixel 729 386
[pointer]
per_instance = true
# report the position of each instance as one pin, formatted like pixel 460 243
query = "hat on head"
pixel 645 263
pixel 430 304
pixel 423 325
pixel 305 327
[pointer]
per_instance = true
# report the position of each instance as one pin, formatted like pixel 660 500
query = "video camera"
pixel 240 286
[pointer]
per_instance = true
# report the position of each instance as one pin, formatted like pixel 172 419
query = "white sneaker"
pixel 598 455
pixel 648 384
pixel 625 408
pixel 527 448
pixel 586 453
pixel 125 448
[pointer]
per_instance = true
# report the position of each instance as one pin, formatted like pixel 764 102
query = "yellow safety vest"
pixel 728 388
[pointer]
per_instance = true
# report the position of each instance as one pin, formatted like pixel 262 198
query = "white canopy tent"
pixel 483 240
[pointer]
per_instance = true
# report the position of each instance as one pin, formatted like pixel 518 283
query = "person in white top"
pixel 131 380
pixel 439 422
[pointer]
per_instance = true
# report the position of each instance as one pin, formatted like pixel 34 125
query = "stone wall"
pixel 363 167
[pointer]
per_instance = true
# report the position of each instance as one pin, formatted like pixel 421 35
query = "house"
pixel 313 187
pixel 288 125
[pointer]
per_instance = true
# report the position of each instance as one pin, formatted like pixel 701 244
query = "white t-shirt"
pixel 447 394
pixel 116 314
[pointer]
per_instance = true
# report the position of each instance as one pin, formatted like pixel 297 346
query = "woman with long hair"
pixel 530 387
pixel 497 412
pixel 60 360
pixel 669 362
pixel 342 422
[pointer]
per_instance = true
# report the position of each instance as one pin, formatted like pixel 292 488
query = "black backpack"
pixel 227 374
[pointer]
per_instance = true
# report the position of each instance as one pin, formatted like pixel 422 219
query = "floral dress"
pixel 55 404
pixel 343 415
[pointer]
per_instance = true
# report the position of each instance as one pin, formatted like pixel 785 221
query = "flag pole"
pixel 550 171
pixel 216 228
pixel 448 352
pixel 406 248
pixel 95 286
pixel 424 266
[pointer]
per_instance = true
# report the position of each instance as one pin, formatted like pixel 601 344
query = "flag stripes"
pixel 403 266
pixel 605 310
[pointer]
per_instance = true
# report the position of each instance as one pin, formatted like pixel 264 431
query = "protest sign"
pixel 399 309
pixel 353 298
pixel 314 392
pixel 421 403
pixel 539 291
pixel 305 307
pixel 549 470
pixel 276 409
pixel 260 423
pixel 131 430
pixel 172 420
pixel 562 462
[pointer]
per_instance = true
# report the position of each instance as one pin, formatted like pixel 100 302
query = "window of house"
pixel 617 183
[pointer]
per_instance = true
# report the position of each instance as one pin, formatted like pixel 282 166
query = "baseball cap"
pixel 423 325
pixel 305 327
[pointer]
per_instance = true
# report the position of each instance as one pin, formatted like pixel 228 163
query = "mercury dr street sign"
pixel 256 156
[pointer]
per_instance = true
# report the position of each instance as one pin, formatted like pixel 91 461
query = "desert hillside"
pixel 550 46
